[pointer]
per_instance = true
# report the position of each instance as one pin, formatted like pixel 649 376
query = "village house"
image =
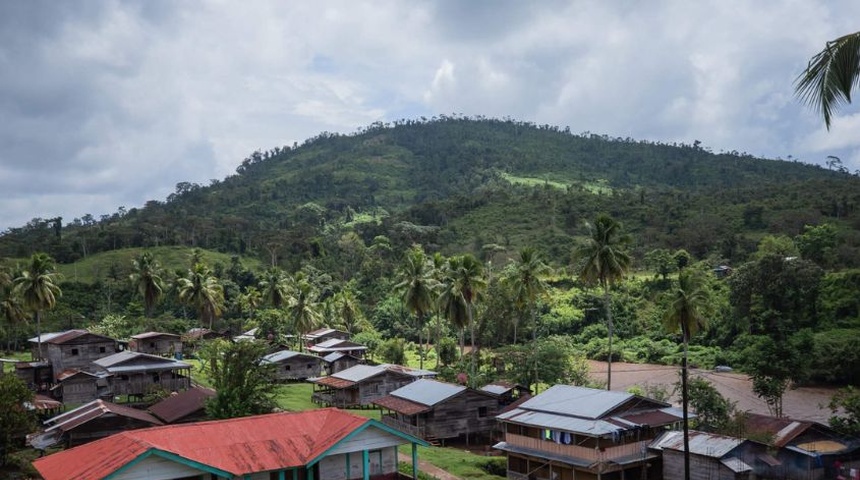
pixel 436 411
pixel 290 365
pixel 183 407
pixel 133 373
pixel 570 432
pixel 323 334
pixel 89 422
pixel 325 444
pixel 336 345
pixel 338 362
pixel 360 385
pixel 506 392
pixel 711 456
pixel 75 387
pixel 156 343
pixel 72 350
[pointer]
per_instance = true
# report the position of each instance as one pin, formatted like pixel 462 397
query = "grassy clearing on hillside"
pixel 531 181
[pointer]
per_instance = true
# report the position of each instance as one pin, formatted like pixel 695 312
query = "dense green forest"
pixel 325 233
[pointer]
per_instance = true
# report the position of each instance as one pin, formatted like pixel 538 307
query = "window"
pixel 482 412
pixel 287 368
pixel 310 366
pixel 74 351
pixel 102 349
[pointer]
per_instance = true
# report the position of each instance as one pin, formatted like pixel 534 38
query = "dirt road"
pixel 800 403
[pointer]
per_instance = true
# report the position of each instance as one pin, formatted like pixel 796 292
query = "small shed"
pixel 338 362
pixel 711 456
pixel 183 407
pixel 506 392
pixel 156 343
pixel 290 365
pixel 435 410
pixel 335 345
pixel 91 421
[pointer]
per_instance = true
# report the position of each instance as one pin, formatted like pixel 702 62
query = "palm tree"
pixel 38 289
pixel 688 306
pixel 438 263
pixel 275 287
pixel 349 311
pixel 303 307
pixel 148 280
pixel 603 260
pixel 452 306
pixel 12 307
pixel 830 76
pixel 250 301
pixel 465 277
pixel 416 285
pixel 202 291
pixel 527 284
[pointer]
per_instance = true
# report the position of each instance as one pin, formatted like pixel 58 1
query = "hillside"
pixel 482 185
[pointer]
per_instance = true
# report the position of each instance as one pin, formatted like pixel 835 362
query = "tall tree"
pixel 12 307
pixel 38 289
pixel 830 76
pixel 303 307
pixel 603 260
pixel 201 290
pixel 275 287
pixel 348 310
pixel 146 277
pixel 688 305
pixel 243 381
pixel 416 287
pixel 465 284
pixel 15 419
pixel 526 282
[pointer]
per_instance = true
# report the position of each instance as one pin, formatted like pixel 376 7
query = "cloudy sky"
pixel 106 104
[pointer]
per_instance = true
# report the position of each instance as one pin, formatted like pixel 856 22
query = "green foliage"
pixel 393 351
pixel 817 243
pixel 446 348
pixel 847 401
pixel 244 384
pixel 547 360
pixel 713 411
pixel 15 420
pixel 115 326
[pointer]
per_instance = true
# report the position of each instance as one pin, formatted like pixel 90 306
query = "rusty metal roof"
pixel 332 382
pixel 238 446
pixel 782 430
pixel 95 409
pixel 67 374
pixel 59 338
pixel 701 443
pixel 401 405
pixel 182 404
pixel 142 336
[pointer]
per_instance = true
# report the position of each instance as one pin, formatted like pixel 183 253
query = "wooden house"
pixel 338 362
pixel 38 375
pixel 183 407
pixel 803 449
pixel 324 444
pixel 570 432
pixel 133 373
pixel 360 385
pixel 193 338
pixel 156 343
pixel 506 392
pixel 435 410
pixel 290 365
pixel 75 387
pixel 91 421
pixel 335 345
pixel 711 456
pixel 323 334
pixel 73 349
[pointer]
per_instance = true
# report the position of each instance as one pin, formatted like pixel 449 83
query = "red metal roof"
pixel 75 334
pixel 334 382
pixel 239 446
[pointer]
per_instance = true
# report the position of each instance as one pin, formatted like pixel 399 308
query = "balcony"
pixel 590 455
pixel 404 427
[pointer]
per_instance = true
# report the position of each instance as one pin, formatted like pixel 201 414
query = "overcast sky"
pixel 106 104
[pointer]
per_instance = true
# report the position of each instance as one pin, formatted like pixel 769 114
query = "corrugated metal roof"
pixel 141 336
pixel 95 409
pixel 332 382
pixel 496 389
pixel 701 443
pixel 137 362
pixel 358 373
pixel 59 338
pixel 66 374
pixel 50 336
pixel 583 426
pixel 333 357
pixel 576 401
pixel 782 430
pixel 182 404
pixel 736 465
pixel 428 392
pixel 285 355
pixel 401 405
pixel 414 372
pixel 654 418
pixel 237 446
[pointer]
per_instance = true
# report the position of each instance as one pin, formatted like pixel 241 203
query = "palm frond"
pixel 830 76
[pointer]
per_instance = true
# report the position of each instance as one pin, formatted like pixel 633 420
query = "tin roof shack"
pixel 323 334
pixel 137 374
pixel 506 392
pixel 435 410
pixel 576 432
pixel 156 343
pixel 712 456
pixel 290 365
pixel 75 387
pixel 91 421
pixel 360 385
pixel 183 407
pixel 73 349
pixel 37 375
pixel 325 444
pixel 805 450
pixel 193 338
pixel 338 362
pixel 335 345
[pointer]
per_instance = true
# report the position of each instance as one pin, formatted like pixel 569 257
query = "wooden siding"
pixel 140 384
pixel 371 438
pixel 457 416
pixel 382 462
pixel 158 468
pixel 364 393
pixel 79 391
pixel 77 356
pixel 701 467
pixel 588 454
pixel 299 368
pixel 157 346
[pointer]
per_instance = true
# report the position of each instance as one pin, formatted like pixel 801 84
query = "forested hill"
pixel 481 185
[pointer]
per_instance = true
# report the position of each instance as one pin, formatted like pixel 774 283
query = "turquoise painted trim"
pixel 370 422
pixel 282 475
pixel 247 476
pixel 296 473
pixel 414 461
pixel 172 457
pixel 309 473
pixel 365 467
pixel 348 466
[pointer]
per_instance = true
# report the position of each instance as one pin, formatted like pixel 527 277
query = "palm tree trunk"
pixel 39 333
pixel 420 344
pixel 685 405
pixel 472 334
pixel 609 325
pixel 534 347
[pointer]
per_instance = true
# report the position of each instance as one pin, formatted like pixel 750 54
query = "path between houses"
pixel 427 467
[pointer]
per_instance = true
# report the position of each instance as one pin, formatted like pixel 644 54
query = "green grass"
pixel 460 463
pixel 531 181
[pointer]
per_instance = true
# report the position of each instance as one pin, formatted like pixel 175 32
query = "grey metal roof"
pixel 507 447
pixel 576 401
pixel 736 465
pixel 428 392
pixel 496 389
pixel 47 336
pixel 334 356
pixel 415 372
pixel 113 363
pixel 286 354
pixel 582 426
pixel 701 443
pixel 359 372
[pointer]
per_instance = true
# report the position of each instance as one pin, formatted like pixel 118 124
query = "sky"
pixel 108 104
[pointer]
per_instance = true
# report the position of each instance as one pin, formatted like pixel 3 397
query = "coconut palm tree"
pixel 201 290
pixel 147 278
pixel 416 286
pixel 526 282
pixel 38 289
pixel 465 279
pixel 303 307
pixel 830 76
pixel 351 318
pixel 603 260
pixel 12 307
pixel 438 263
pixel 275 287
pixel 688 306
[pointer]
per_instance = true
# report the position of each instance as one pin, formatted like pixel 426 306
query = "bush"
pixel 495 466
